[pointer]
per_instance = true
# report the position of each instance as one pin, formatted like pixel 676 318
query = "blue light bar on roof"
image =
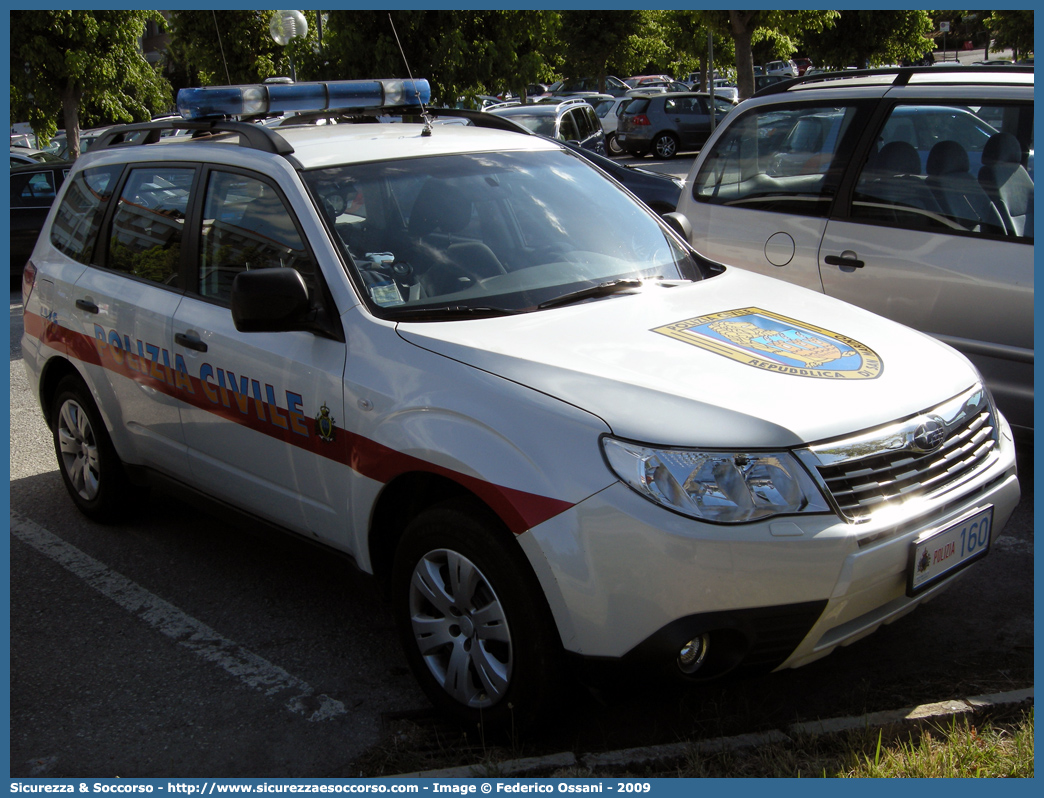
pixel 211 102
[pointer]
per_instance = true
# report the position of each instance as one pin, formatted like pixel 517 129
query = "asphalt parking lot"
pixel 182 643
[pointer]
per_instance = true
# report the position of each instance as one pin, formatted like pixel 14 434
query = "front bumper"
pixel 628 580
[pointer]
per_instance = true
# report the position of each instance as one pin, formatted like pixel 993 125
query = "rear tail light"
pixel 640 119
pixel 28 281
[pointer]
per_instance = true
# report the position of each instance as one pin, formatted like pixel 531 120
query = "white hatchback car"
pixel 468 359
pixel 908 192
pixel 786 68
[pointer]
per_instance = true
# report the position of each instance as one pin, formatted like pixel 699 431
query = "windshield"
pixel 490 232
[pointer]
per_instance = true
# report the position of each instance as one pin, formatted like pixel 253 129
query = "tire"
pixel 473 620
pixel 612 145
pixel 665 146
pixel 90 468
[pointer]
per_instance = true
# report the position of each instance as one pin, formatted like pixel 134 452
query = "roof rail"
pixel 574 101
pixel 256 137
pixel 504 104
pixel 902 75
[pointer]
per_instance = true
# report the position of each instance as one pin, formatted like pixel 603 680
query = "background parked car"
pixel 569 120
pixel 726 90
pixel 665 124
pixel 935 230
pixel 33 189
pixel 20 156
pixel 608 112
pixel 660 192
pixel 761 81
pixel 643 82
pixel 802 65
pixel 786 68
pixel 572 86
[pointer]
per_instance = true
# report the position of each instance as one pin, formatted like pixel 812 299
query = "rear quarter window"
pixel 79 216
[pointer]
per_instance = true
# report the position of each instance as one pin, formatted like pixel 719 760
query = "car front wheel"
pixel 474 623
pixel 613 145
pixel 665 146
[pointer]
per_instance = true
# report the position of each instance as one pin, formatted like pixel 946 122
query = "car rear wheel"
pixel 613 145
pixel 665 146
pixel 90 468
pixel 473 621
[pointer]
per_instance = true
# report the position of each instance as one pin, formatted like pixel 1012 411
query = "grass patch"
pixel 995 744
pixel 962 747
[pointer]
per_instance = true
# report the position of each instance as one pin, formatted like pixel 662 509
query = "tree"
pixel 62 61
pixel 461 53
pixel 224 47
pixel 594 40
pixel 685 33
pixel 779 29
pixel 871 38
pixel 1012 29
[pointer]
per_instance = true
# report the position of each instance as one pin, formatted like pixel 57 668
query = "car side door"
pixel 940 237
pixel 123 302
pixel 747 211
pixel 260 421
pixel 32 193
pixel 683 116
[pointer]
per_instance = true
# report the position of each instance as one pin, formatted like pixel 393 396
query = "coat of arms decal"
pixel 324 424
pixel 772 342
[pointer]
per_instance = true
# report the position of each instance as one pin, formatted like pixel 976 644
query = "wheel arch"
pixel 406 497
pixel 54 371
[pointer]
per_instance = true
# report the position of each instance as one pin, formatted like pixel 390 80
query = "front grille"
pixel 888 467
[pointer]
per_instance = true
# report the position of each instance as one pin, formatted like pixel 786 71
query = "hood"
pixel 735 360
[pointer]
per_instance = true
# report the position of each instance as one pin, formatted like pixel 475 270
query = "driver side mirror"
pixel 680 224
pixel 270 300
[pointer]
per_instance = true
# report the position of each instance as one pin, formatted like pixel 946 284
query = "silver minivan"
pixel 906 191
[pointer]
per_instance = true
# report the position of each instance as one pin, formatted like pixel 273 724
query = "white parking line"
pixel 249 668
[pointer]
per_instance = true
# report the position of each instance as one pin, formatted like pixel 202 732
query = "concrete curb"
pixel 673 752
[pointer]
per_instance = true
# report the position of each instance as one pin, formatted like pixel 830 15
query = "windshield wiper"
pixel 448 312
pixel 602 289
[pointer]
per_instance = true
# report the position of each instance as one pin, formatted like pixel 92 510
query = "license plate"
pixel 622 137
pixel 939 554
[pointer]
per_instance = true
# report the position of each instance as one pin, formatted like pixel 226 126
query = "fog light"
pixel 693 653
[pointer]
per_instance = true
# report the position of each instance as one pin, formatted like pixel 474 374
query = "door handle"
pixel 190 342
pixel 87 305
pixel 845 259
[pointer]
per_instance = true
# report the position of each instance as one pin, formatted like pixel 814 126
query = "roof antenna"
pixel 424 112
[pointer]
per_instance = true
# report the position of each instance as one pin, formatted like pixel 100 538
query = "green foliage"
pixel 65 64
pixel 598 40
pixel 1012 29
pixel 225 47
pixel 871 38
pixel 460 52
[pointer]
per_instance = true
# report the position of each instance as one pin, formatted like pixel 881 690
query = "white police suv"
pixel 468 359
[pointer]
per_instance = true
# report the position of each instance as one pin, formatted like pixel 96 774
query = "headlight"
pixel 720 487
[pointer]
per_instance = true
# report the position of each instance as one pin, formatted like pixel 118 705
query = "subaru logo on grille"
pixel 929 435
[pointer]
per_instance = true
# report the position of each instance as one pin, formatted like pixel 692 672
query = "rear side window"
pixel 783 160
pixel 637 106
pixel 568 130
pixel 952 168
pixel 35 189
pixel 149 223
pixel 79 217
pixel 586 123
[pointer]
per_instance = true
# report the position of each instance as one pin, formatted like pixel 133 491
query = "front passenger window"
pixel 783 160
pixel 247 225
